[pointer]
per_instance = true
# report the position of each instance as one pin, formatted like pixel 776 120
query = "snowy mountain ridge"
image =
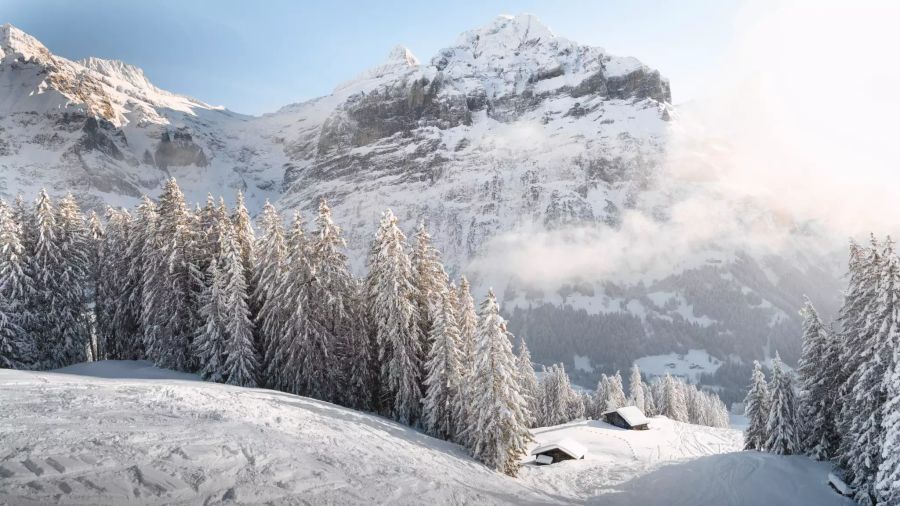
pixel 510 132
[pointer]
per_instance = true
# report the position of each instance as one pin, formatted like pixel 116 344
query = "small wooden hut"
pixel 628 417
pixel 557 451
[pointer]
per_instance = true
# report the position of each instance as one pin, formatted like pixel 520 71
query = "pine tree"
pixel 601 397
pixel 95 234
pixel 859 305
pixel 391 302
pixel 817 436
pixel 171 283
pixel 282 305
pixel 500 433
pixel 635 389
pixel 334 304
pixel 781 426
pixel 869 391
pixel 467 322
pixel 616 396
pixel 888 476
pixel 16 345
pixel 46 301
pixel 756 407
pixel 529 384
pixel 674 405
pixel 211 337
pixel 555 396
pixel 649 403
pixel 240 357
pixel 72 282
pixel 443 376
pixel 243 230
pixel 430 281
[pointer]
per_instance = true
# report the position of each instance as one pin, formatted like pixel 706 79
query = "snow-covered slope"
pixel 127 433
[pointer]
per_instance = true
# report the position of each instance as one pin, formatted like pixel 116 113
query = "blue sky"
pixel 254 57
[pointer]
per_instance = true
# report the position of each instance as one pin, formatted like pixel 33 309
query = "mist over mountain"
pixel 552 171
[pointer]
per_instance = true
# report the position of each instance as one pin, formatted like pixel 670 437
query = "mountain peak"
pixel 508 32
pixel 14 41
pixel 401 55
pixel 119 70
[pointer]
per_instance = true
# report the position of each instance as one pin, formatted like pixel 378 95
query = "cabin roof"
pixel 631 414
pixel 571 447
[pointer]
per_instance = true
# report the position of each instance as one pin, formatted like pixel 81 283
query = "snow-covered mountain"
pixel 128 433
pixel 511 130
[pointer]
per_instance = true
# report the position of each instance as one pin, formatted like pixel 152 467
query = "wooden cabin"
pixel 628 417
pixel 557 451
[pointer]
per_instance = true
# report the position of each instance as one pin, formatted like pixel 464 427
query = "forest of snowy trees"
pixel 199 290
pixel 846 405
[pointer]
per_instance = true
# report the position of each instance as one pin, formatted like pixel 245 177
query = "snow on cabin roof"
pixel 575 449
pixel 631 414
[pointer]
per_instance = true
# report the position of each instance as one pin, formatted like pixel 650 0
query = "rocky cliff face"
pixel 510 130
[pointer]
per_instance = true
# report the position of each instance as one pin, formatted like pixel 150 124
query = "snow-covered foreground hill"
pixel 128 433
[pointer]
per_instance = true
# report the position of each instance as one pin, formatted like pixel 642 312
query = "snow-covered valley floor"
pixel 128 433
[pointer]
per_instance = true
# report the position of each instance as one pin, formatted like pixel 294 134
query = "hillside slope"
pixel 128 433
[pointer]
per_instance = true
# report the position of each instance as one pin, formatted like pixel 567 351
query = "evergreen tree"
pixel 674 405
pixel 635 389
pixel 442 375
pixel 46 300
pixel 334 303
pixel 756 407
pixel 272 261
pixel 95 234
pixel 601 397
pixel 467 321
pixel 118 303
pixel 212 335
pixel 391 297
pixel 616 393
pixel 529 384
pixel 781 426
pixel 869 392
pixel 73 282
pixel 240 357
pixel 888 476
pixel 555 396
pixel 16 345
pixel 171 283
pixel 430 281
pixel 817 436
pixel 500 433
pixel 649 403
pixel 859 305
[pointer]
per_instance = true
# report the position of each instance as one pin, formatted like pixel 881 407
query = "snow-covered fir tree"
pixel 16 344
pixel 600 398
pixel 118 318
pixel 859 304
pixel 95 234
pixel 635 389
pixel 555 396
pixel 391 297
pixel 817 435
pixel 756 408
pixel 209 342
pixel 615 398
pixel 467 321
pixel 430 281
pixel 46 299
pixel 887 481
pixel 781 427
pixel 73 282
pixel 869 391
pixel 674 405
pixel 334 304
pixel 240 356
pixel 500 433
pixel 443 374
pixel 529 384
pixel 170 283
pixel 649 402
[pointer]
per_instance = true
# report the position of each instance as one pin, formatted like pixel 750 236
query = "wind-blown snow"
pixel 124 432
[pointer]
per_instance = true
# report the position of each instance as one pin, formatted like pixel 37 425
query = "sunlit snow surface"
pixel 127 433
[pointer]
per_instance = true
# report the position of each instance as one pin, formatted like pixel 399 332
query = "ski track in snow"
pixel 128 433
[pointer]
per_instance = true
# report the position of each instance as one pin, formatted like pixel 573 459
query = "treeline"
pixel 555 401
pixel 847 408
pixel 199 291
